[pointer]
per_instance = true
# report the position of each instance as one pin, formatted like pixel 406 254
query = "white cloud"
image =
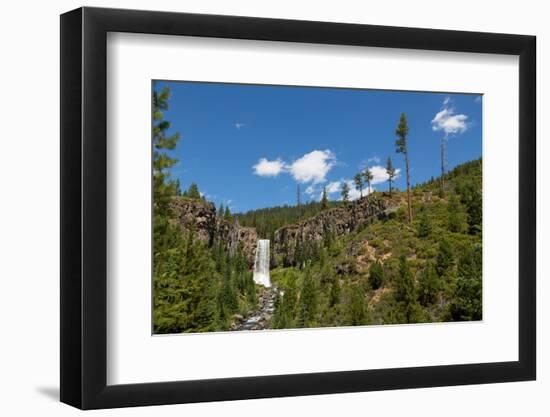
pixel 313 166
pixel 265 168
pixel 354 193
pixel 379 174
pixel 310 190
pixel 447 121
pixel 333 187
pixel 239 125
pixel 375 159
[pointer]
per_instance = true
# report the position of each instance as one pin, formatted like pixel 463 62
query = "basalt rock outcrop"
pixel 208 227
pixel 335 222
pixel 201 215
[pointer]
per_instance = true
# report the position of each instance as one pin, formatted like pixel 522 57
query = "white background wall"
pixel 29 225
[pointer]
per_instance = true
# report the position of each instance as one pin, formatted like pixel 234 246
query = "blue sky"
pixel 249 145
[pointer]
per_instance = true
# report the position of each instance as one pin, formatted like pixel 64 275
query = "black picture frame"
pixel 84 207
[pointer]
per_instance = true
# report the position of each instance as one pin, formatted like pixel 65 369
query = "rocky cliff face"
pixel 334 222
pixel 234 235
pixel 202 216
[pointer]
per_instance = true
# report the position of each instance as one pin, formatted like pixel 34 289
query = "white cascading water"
pixel 261 263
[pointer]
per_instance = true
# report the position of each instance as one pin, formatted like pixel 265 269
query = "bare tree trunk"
pixel 409 206
pixel 442 180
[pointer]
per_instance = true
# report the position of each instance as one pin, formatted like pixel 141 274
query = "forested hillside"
pixel 392 271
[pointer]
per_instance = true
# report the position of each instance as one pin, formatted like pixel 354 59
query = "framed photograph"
pixel 258 208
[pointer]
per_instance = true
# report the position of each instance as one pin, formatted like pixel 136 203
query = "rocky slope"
pixel 335 222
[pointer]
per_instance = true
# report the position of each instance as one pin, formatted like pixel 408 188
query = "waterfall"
pixel 261 263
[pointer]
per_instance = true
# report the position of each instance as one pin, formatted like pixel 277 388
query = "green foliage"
pixel 404 284
pixel 456 215
pixel 471 197
pixel 308 301
pixel 376 275
pixel 184 289
pixel 428 285
pixel 406 294
pixel 358 180
pixel 344 192
pixel 285 308
pixel 358 314
pixel 445 258
pixel 324 199
pixel 467 300
pixel 193 191
pixel 334 293
pixel 425 224
pixel 367 175
pixel 411 290
pixel 401 132
pixel 227 213
pixel 163 187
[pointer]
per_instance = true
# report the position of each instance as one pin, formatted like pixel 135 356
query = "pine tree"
pixel 472 199
pixel 324 199
pixel 390 171
pixel 428 285
pixel 308 300
pixel 467 301
pixel 357 308
pixel 184 287
pixel 456 218
pixel 425 225
pixel 163 188
pixel 285 306
pixel 445 258
pixel 376 275
pixel 358 179
pixel 193 191
pixel 334 296
pixel 405 293
pixel 345 192
pixel 227 213
pixel 442 178
pixel 177 186
pixel 367 174
pixel 401 147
